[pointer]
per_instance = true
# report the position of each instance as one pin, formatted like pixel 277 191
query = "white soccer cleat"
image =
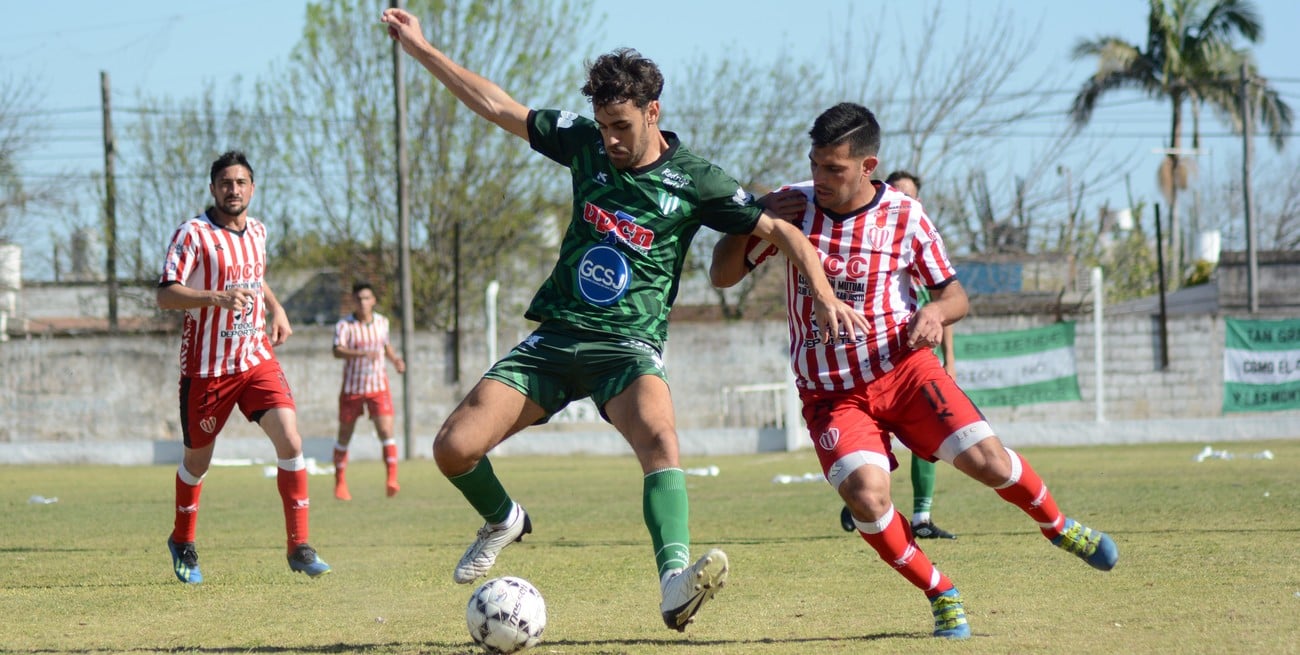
pixel 686 590
pixel 482 554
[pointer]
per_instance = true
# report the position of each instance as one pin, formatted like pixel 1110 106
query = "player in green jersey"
pixel 639 198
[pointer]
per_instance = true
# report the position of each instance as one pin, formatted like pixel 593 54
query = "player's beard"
pixel 232 206
pixel 623 159
pixel 635 152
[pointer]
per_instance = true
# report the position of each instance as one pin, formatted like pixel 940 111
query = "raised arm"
pixel 729 266
pixel 833 313
pixel 481 95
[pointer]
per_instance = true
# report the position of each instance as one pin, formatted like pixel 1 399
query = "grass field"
pixel 1208 561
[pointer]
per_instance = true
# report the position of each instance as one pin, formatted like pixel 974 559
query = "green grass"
pixel 1208 563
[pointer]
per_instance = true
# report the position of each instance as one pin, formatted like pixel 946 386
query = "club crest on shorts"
pixel 829 438
pixel 208 424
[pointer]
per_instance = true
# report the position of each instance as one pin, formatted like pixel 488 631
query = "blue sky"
pixel 174 48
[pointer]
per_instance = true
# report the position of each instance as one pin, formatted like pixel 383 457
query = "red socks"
pixel 293 494
pixel 187 509
pixel 1028 492
pixel 894 543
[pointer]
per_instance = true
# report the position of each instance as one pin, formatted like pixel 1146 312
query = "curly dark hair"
pixel 850 122
pixel 623 75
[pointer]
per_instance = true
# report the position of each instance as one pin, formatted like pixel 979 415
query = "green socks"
pixel 483 490
pixel 923 474
pixel 667 513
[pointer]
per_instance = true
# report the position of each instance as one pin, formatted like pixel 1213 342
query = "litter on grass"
pixel 42 500
pixel 782 478
pixel 705 471
pixel 1210 453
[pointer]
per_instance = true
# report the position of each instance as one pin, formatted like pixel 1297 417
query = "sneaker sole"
pixel 313 575
pixel 708 580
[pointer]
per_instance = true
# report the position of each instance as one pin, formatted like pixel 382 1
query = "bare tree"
pixel 21 126
pixel 762 146
pixel 948 111
pixel 1277 195
pixel 168 148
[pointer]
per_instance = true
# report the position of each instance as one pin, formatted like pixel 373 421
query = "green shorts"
pixel 555 366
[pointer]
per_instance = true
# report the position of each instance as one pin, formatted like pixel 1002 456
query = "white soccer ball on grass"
pixel 506 615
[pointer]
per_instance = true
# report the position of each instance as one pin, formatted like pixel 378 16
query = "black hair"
pixel 850 122
pixel 358 287
pixel 901 174
pixel 230 158
pixel 623 75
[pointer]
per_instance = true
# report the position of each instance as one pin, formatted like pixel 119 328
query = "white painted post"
pixel 1098 300
pixel 793 418
pixel 491 300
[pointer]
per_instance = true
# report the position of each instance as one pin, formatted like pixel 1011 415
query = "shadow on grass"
pixel 614 646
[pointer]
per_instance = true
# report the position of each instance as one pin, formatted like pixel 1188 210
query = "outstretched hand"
pixel 403 27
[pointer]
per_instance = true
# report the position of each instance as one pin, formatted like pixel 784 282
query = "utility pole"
pixel 110 202
pixel 403 238
pixel 1248 193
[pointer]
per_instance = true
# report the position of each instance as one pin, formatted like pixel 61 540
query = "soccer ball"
pixel 506 615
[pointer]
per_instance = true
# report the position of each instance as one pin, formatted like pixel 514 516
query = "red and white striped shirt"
pixel 870 259
pixel 207 257
pixel 363 375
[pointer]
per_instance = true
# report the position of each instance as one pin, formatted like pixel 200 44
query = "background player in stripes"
pixel 361 341
pixel 639 199
pixel 855 390
pixel 215 271
pixel 923 471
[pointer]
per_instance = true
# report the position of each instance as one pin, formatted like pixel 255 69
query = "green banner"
pixel 1020 367
pixel 1261 365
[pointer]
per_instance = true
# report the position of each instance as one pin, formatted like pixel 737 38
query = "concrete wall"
pixel 114 399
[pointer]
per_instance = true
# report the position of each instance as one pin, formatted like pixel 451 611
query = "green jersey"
pixel 627 240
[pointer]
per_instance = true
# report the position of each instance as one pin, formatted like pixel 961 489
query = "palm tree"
pixel 1189 59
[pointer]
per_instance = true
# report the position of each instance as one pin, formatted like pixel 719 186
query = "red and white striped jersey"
pixel 207 257
pixel 870 258
pixel 363 374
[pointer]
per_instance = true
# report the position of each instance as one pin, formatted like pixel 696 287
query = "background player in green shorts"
pixel 639 198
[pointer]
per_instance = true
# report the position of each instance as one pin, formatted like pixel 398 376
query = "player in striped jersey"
pixel 215 271
pixel 923 471
pixel 639 199
pixel 361 341
pixel 873 241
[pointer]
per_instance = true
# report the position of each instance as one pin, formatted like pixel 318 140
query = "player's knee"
pixel 986 462
pixel 453 452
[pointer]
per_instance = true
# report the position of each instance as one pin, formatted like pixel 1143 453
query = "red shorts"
pixel 916 401
pixel 377 403
pixel 206 403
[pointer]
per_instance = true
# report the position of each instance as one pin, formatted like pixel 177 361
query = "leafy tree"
pixel 469 177
pixel 1189 59
pixel 319 130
